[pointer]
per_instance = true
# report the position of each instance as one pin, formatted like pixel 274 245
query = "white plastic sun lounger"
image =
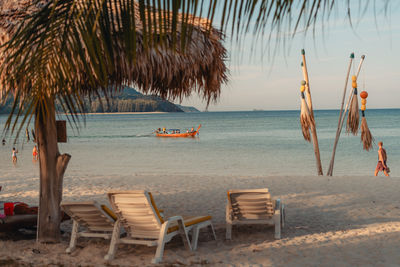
pixel 97 219
pixel 137 213
pixel 253 206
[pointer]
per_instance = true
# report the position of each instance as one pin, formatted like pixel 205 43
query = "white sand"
pixel 336 221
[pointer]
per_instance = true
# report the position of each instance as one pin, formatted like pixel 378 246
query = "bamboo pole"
pixel 330 171
pixel 340 123
pixel 313 128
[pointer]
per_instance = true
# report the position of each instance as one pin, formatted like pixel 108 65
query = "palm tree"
pixel 64 50
pixel 67 50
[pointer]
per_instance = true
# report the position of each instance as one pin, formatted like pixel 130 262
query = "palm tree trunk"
pixel 52 168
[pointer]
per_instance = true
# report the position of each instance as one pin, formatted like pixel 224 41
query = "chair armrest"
pixel 174 218
pixel 161 213
pixel 178 219
pixel 182 229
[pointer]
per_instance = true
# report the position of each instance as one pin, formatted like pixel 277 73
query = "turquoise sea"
pixel 256 143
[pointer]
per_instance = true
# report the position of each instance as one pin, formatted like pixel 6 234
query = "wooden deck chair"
pixel 97 219
pixel 138 214
pixel 253 206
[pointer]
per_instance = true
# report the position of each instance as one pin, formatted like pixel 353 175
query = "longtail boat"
pixel 173 133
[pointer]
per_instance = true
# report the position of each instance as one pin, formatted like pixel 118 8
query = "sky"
pixel 265 83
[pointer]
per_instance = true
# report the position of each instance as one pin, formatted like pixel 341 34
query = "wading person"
pixel 382 157
pixel 14 155
pixel 35 153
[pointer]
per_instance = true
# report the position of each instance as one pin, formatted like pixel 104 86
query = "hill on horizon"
pixel 127 100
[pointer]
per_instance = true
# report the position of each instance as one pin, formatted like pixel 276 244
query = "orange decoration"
pixel 364 94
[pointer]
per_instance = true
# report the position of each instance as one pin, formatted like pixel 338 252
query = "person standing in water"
pixel 14 155
pixel 35 153
pixel 382 157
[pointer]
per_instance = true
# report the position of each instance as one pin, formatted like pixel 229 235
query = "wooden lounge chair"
pixel 98 219
pixel 138 214
pixel 253 206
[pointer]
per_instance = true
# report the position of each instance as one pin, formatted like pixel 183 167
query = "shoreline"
pixel 125 113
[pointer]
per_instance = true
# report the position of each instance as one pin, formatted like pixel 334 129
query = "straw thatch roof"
pixel 165 69
pixel 12 12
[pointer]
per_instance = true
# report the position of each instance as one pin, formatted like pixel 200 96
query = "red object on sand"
pixel 23 208
pixel 9 208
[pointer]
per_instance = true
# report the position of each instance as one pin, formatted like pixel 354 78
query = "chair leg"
pixel 196 231
pixel 159 253
pixel 114 242
pixel 160 244
pixel 74 237
pixel 228 231
pixel 183 233
pixel 277 223
pixel 212 231
pixel 195 237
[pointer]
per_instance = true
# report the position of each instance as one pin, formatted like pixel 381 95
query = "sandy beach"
pixel 330 221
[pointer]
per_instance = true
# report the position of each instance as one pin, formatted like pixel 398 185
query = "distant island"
pixel 127 100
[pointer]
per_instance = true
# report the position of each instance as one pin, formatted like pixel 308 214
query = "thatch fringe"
pixel 305 120
pixel 366 136
pixel 353 118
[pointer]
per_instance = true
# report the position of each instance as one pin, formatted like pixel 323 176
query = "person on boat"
pixel 163 129
pixel 14 155
pixel 192 130
pixel 382 158
pixel 35 153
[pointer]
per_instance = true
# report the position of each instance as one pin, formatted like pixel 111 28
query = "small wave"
pixel 110 136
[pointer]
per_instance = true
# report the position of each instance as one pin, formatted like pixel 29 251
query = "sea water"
pixel 254 143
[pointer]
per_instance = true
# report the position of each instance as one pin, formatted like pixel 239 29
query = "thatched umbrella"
pixel 65 50
pixel 160 69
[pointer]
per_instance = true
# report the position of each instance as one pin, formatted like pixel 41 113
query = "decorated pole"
pixel 353 117
pixel 312 125
pixel 339 128
pixel 366 136
pixel 349 100
pixel 305 117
